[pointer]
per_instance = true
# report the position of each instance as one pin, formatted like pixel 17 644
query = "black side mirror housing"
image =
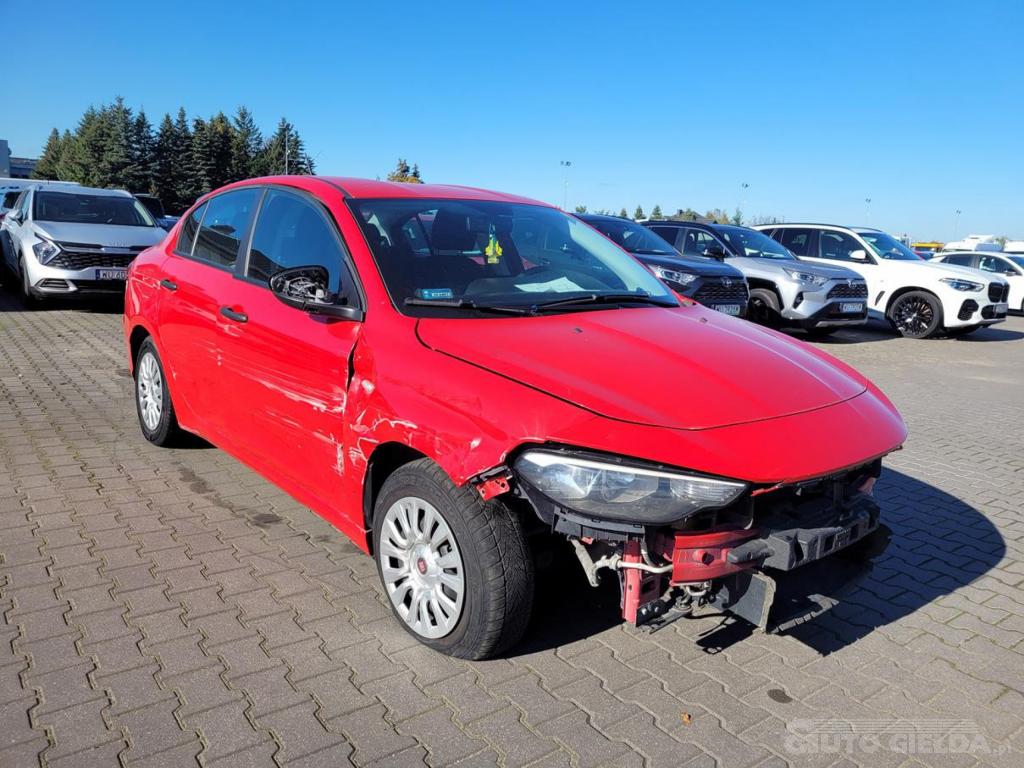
pixel 306 289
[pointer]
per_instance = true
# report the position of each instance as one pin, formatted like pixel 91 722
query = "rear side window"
pixel 187 236
pixel 797 240
pixel 292 232
pixel 225 225
pixel 669 234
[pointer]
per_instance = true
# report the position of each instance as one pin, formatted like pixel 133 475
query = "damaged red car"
pixel 442 372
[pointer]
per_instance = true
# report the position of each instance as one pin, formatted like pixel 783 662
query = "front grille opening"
pixel 716 292
pixel 968 308
pixel 844 291
pixel 54 284
pixel 998 292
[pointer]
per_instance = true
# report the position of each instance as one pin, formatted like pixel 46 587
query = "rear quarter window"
pixel 187 233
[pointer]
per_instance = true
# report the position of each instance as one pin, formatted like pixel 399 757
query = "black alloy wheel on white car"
pixel 916 314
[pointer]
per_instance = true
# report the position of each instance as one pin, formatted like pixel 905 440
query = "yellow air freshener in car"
pixel 493 249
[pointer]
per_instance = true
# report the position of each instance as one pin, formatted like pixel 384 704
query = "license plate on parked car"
pixel 851 307
pixel 729 309
pixel 111 274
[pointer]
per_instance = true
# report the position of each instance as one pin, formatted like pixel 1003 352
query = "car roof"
pixel 604 217
pixel 79 190
pixel 367 189
pixel 814 224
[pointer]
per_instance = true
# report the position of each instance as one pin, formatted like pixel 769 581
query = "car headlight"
pixel 672 275
pixel 961 285
pixel 622 492
pixel 807 277
pixel 45 251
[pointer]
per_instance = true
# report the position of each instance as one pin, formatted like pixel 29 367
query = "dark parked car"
pixel 702 279
pixel 155 207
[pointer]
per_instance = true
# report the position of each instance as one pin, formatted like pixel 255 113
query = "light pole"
pixel 956 223
pixel 867 209
pixel 565 182
pixel 743 197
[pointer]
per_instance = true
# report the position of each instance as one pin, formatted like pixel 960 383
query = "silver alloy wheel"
pixel 422 567
pixel 149 386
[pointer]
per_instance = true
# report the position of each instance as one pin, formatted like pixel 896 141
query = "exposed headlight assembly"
pixel 45 251
pixel 672 275
pixel 961 285
pixel 622 492
pixel 807 277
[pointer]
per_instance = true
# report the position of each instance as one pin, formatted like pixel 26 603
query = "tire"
pixel 482 542
pixel 152 400
pixel 916 315
pixel 763 307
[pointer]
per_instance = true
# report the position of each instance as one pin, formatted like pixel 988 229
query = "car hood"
pixel 687 368
pixel 108 235
pixel 702 267
pixel 821 270
pixel 951 270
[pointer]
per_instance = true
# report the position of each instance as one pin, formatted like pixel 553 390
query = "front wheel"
pixel 763 307
pixel 456 569
pixel 916 315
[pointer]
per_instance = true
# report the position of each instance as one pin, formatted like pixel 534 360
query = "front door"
pixel 289 368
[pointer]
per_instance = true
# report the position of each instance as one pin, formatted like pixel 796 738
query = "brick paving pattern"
pixel 171 608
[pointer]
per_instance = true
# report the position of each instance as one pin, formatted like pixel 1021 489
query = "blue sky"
pixel 918 105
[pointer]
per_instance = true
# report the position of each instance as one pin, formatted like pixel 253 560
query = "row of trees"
pixel 181 159
pixel 714 216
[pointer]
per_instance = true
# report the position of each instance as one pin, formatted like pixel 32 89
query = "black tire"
pixel 165 432
pixel 916 315
pixel 495 558
pixel 763 307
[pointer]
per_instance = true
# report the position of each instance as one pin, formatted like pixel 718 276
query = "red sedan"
pixel 439 370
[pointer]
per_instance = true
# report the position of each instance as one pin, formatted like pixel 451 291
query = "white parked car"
pixel 918 298
pixel 1007 265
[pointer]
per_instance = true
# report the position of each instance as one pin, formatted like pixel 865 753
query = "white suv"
pixel 919 298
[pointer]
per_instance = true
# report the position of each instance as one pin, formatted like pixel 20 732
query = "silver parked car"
pixel 74 240
pixel 783 290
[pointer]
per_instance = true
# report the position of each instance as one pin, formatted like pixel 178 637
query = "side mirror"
pixel 306 288
pixel 715 252
pixel 14 215
pixel 859 255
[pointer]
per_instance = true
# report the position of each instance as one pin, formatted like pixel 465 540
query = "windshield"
pixel 753 244
pixel 888 247
pixel 1018 260
pixel 491 254
pixel 634 238
pixel 78 208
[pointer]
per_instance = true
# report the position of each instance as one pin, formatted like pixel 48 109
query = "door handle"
pixel 169 285
pixel 230 314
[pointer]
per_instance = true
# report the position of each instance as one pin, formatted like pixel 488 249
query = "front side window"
pixel 994 264
pixel 888 247
pixel 224 226
pixel 754 244
pixel 797 241
pixel 632 237
pixel 82 208
pixel 493 256
pixel 838 245
pixel 696 241
pixel 291 232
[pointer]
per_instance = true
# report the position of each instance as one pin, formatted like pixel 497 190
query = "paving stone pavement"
pixel 171 608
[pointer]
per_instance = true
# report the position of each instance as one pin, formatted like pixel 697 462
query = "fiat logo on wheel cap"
pixel 421 566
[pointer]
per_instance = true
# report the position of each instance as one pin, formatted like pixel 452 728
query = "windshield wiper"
pixel 412 301
pixel 604 298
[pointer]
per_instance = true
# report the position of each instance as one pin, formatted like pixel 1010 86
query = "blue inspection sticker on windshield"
pixel 435 293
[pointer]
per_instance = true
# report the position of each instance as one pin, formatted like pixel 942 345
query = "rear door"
pixel 289 369
pixel 197 282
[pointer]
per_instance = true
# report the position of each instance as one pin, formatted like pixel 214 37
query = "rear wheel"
pixel 763 307
pixel 456 569
pixel 152 400
pixel 916 314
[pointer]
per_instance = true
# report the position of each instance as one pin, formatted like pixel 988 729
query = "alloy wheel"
pixel 422 567
pixel 149 385
pixel 914 316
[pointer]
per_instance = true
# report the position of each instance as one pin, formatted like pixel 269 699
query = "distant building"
pixel 15 167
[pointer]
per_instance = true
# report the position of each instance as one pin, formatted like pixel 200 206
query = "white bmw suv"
pixel 919 298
